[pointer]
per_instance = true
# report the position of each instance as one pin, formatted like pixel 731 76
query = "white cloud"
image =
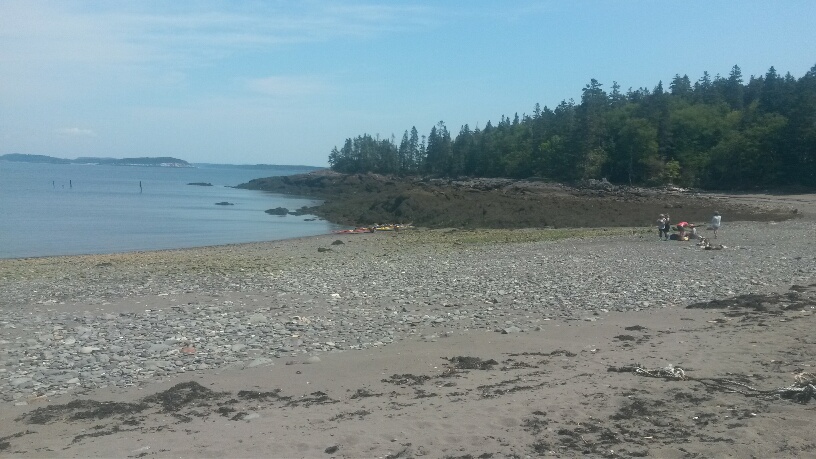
pixel 117 32
pixel 53 50
pixel 76 132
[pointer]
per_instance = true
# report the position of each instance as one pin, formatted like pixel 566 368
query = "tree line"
pixel 714 133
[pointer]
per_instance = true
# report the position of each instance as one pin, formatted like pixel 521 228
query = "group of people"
pixel 685 230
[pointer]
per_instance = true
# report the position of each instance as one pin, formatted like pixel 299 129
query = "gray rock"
pixel 157 348
pixel 22 383
pixel 257 318
pixel 260 361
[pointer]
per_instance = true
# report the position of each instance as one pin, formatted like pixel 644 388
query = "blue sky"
pixel 282 82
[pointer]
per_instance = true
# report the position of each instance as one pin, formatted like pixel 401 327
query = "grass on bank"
pixel 457 236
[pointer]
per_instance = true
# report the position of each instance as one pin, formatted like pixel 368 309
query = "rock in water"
pixel 277 211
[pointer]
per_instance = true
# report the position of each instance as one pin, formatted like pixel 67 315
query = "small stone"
pixel 259 361
pixel 257 318
pixel 159 347
pixel 312 359
pixel 22 383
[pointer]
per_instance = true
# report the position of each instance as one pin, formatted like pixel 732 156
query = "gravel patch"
pixel 71 324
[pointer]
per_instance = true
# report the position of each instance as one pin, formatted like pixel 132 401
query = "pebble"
pixel 315 307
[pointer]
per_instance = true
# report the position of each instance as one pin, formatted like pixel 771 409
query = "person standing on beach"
pixel 716 221
pixel 663 226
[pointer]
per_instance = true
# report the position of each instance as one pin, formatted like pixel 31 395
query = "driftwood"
pixel 801 391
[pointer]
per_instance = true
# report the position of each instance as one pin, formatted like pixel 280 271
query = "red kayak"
pixel 354 231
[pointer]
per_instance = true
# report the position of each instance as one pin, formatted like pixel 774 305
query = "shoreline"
pixel 802 205
pixel 374 325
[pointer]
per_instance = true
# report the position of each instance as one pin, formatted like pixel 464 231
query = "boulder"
pixel 277 211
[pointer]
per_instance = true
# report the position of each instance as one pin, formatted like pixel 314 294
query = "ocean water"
pixel 71 209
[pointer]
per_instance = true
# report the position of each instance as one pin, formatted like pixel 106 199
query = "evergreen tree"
pixel 438 153
pixel 681 87
pixel 592 134
pixel 616 98
pixel 720 133
pixel 733 89
pixel 405 154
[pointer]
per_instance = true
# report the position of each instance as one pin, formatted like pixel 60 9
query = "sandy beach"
pixel 420 343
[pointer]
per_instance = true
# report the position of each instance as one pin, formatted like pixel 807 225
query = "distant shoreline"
pixel 160 161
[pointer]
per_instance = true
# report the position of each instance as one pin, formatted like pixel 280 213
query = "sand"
pixel 570 388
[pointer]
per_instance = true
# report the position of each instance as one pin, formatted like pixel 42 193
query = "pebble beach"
pixel 82 326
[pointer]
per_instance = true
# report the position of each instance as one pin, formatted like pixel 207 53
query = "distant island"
pixel 162 161
pixel 272 167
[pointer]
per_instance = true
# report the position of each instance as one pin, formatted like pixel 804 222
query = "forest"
pixel 715 133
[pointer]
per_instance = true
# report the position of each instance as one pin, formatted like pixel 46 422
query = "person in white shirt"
pixel 716 221
pixel 663 227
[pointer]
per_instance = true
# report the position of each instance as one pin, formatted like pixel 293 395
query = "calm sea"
pixel 70 209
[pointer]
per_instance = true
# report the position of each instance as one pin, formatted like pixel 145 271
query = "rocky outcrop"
pixel 277 211
pixel 365 199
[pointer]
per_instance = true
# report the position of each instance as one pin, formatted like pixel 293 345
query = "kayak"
pixel 372 229
pixel 354 231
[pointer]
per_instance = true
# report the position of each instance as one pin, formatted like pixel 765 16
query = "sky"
pixel 283 82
